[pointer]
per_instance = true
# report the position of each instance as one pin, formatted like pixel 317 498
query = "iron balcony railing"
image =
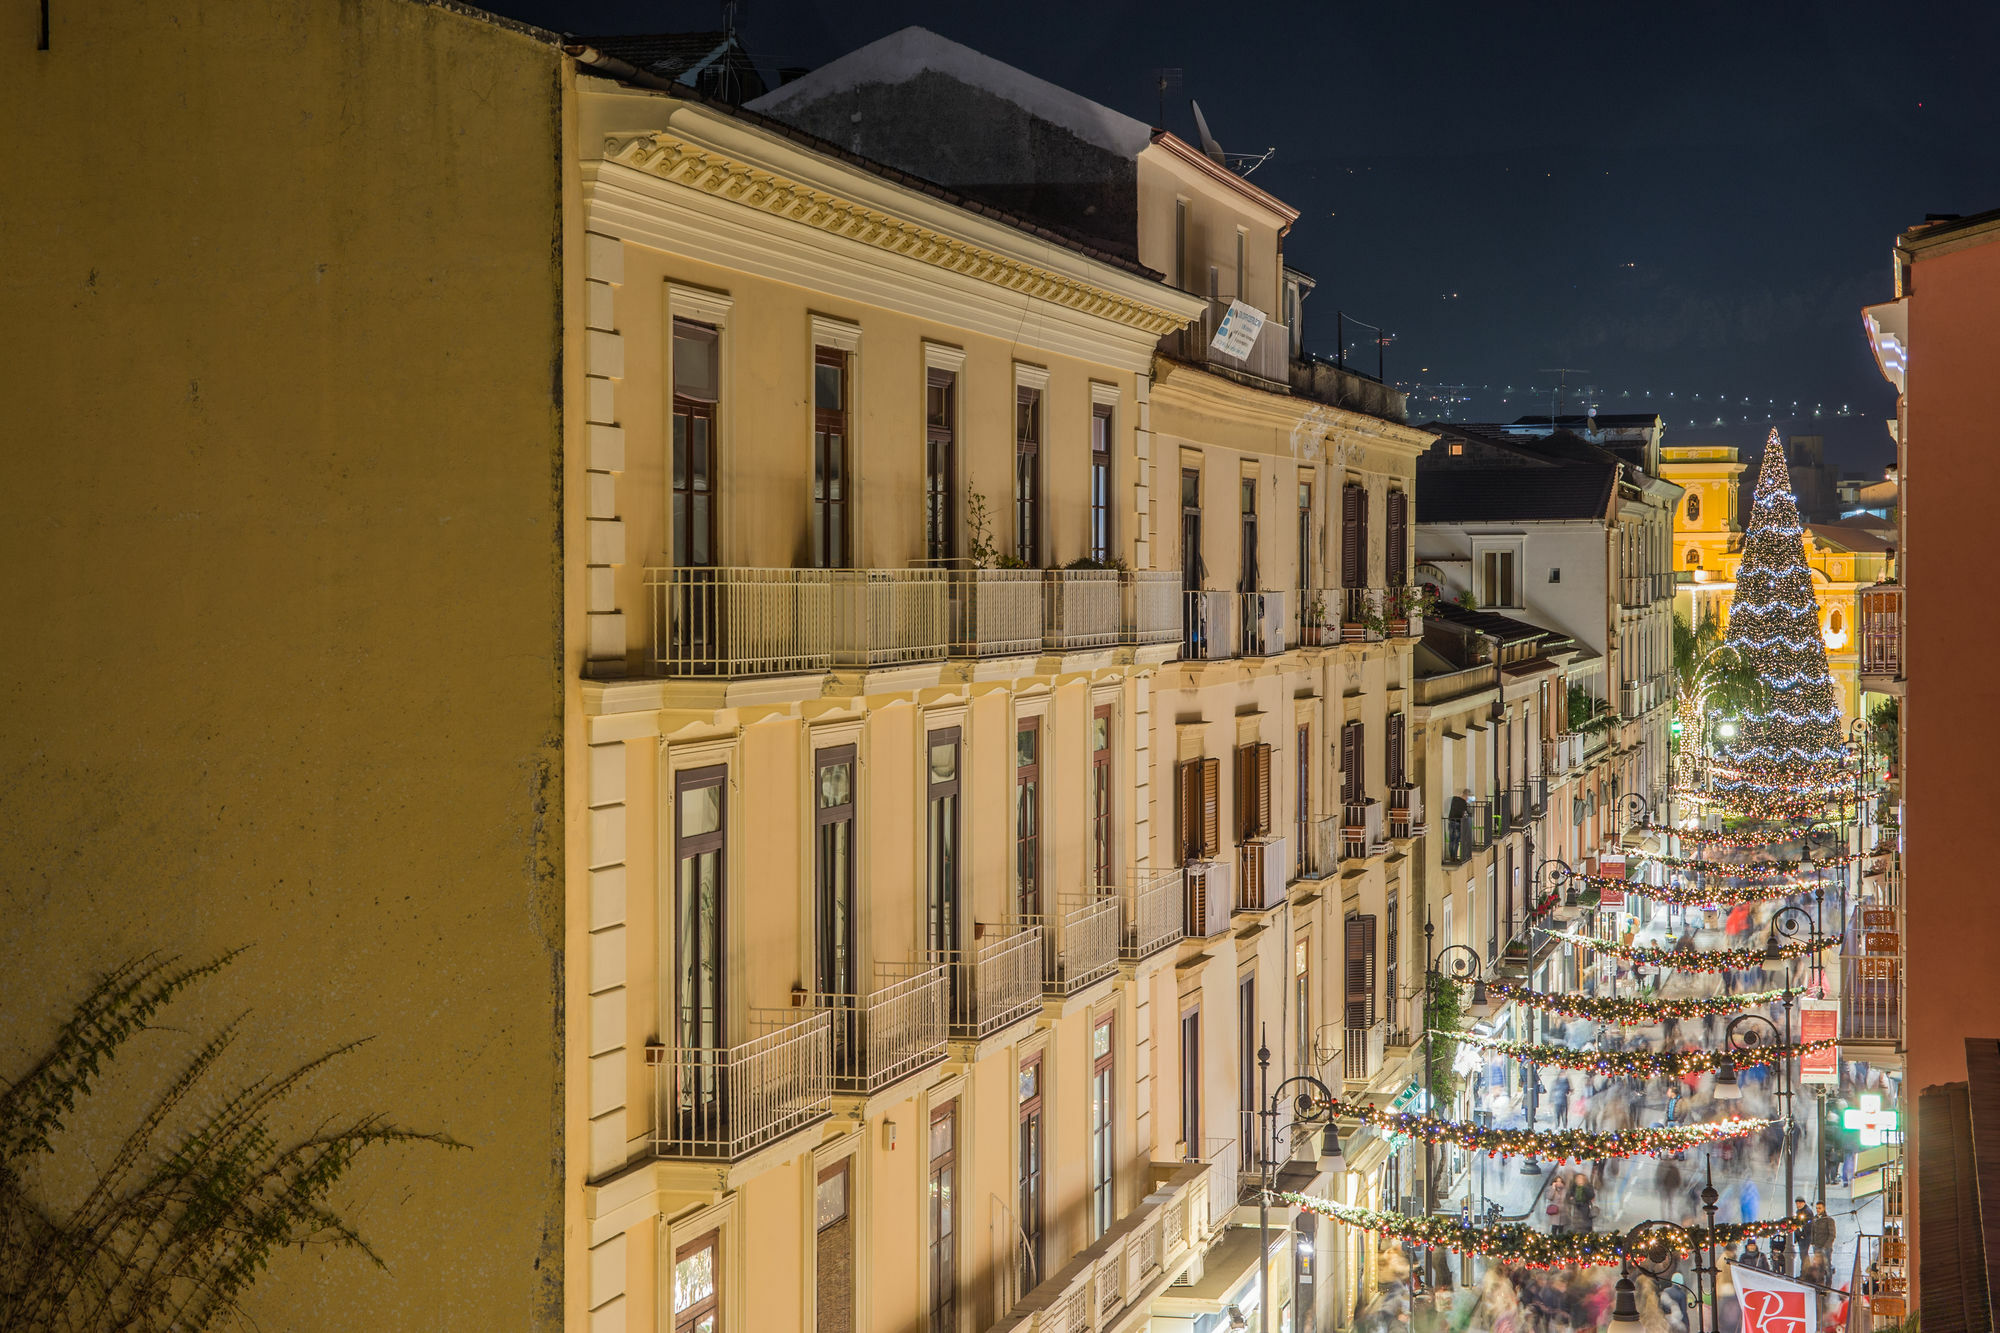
pixel 1538 795
pixel 996 982
pixel 741 622
pixel 1152 606
pixel 1406 812
pixel 1361 827
pixel 1083 945
pixel 1154 916
pixel 1363 1053
pixel 1364 617
pixel 1315 624
pixel 890 1033
pixel 1225 1179
pixel 1320 856
pixel 1262 621
pixel 1208 625
pixel 725 1103
pixel 1871 998
pixel 1260 885
pixel 1881 631
pixel 1207 900
pixel 1084 608
pixel 888 617
pixel 995 612
pixel 1480 815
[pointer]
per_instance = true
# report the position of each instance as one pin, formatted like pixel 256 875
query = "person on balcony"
pixel 1459 824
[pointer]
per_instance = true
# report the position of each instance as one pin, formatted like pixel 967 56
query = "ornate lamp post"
pixel 1459 962
pixel 1654 1248
pixel 1743 1034
pixel 1312 1104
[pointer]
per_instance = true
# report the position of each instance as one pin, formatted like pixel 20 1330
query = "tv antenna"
pixel 1167 80
pixel 1562 374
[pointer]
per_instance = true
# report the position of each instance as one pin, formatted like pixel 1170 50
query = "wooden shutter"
pixel 1189 776
pixel 1350 762
pixel 1263 771
pixel 1353 535
pixel 1246 792
pixel 1360 971
pixel 1395 750
pixel 1211 807
pixel 1398 538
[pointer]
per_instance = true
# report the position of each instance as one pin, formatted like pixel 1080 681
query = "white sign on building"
pixel 1237 333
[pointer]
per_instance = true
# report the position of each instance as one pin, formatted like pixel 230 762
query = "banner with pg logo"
pixel 1774 1304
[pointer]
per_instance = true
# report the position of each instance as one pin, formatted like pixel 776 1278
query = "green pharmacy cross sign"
pixel 1870 1120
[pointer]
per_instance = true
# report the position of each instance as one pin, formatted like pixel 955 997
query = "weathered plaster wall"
pixel 280 498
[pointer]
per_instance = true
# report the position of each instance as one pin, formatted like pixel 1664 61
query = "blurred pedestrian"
pixel 1752 1257
pixel 1560 1092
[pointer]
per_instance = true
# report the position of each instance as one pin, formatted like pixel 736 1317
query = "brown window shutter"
pixel 1370 954
pixel 1350 762
pixel 1353 535
pixel 1356 962
pixel 1246 792
pixel 1211 807
pixel 1395 748
pixel 1399 538
pixel 1190 812
pixel 1263 754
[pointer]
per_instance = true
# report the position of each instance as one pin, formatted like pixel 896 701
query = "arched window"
pixel 1833 621
pixel 1694 507
pixel 1693 558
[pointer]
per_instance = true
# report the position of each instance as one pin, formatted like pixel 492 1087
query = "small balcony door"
pixel 1028 816
pixel 700 1020
pixel 835 957
pixel 941 925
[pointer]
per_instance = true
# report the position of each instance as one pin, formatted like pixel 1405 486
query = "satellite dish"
pixel 1208 143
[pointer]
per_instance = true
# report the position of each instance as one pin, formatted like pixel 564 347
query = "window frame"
pixel 941 1223
pixel 1104 1127
pixel 1103 535
pixel 941 465
pixel 832 526
pixel 943 799
pixel 1028 820
pixel 1032 1199
pixel 824 818
pixel 1030 427
pixel 1103 797
pixel 710 1306
pixel 683 499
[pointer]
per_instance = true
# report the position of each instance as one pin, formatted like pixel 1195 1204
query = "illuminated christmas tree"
pixel 1788 751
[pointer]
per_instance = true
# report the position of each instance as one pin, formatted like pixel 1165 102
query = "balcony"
pixel 1362 1055
pixel 995 612
pixel 1538 796
pixel 1344 386
pixel 1631 699
pixel 1262 619
pixel 1207 899
pixel 1114 1280
pixel 722 1104
pixel 1208 625
pixel 1266 864
pixel 1406 812
pixel 1481 817
pixel 1881 636
pixel 1269 358
pixel 1154 917
pixel 1225 1188
pixel 1084 608
pixel 996 982
pixel 891 1033
pixel 1313 626
pixel 1364 615
pixel 1449 685
pixel 1083 947
pixel 1320 856
pixel 1152 606
pixel 1871 999
pixel 1361 828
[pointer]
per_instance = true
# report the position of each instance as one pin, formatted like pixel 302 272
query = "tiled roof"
pixel 1504 628
pixel 1851 537
pixel 1517 494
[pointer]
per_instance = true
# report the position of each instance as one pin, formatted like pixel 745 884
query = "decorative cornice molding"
pixel 674 159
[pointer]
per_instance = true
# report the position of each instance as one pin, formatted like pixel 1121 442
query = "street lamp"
pixel 1654 1248
pixel 1552 874
pixel 1312 1104
pixel 1793 922
pixel 1743 1034
pixel 1460 962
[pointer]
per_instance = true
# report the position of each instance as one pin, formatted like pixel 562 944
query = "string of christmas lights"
pixel 1700 960
pixel 1638 1011
pixel 1707 895
pixel 1550 1145
pixel 1644 1064
pixel 1516 1243
pixel 1722 838
pixel 1744 869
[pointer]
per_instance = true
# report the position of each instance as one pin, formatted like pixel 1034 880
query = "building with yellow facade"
pixel 1845 557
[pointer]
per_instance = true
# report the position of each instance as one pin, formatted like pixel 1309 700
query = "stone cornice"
pixel 1316 427
pixel 675 159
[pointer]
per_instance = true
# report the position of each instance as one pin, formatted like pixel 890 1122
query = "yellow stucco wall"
pixel 281 528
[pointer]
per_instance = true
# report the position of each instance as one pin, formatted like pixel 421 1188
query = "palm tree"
pixel 1710 676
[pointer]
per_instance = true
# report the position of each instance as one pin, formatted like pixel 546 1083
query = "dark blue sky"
pixel 1677 199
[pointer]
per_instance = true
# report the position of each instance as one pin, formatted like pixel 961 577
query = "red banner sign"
pixel 1819 1020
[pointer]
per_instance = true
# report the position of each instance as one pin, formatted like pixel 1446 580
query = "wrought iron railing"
pixel 724 1103
pixel 1208 625
pixel 1406 812
pixel 1320 856
pixel 1363 1052
pixel 1084 609
pixel 1361 827
pixel 1262 621
pixel 1881 630
pixel 1871 997
pixel 888 617
pixel 996 982
pixel 995 612
pixel 1364 617
pixel 890 1033
pixel 1152 606
pixel 741 622
pixel 1207 899
pixel 1153 912
pixel 1083 945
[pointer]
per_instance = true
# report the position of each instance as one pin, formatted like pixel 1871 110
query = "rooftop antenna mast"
pixel 1562 374
pixel 1167 80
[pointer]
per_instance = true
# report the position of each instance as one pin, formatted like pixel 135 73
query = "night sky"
pixel 1687 199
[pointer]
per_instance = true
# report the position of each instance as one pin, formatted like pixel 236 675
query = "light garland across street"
pixel 1645 1064
pixel 1637 1011
pixel 1700 960
pixel 1550 1145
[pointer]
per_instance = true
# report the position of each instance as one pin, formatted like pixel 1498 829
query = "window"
pixel 1031 1209
pixel 1397 540
pixel 1302 793
pixel 1456 449
pixel 1100 483
pixel 1305 551
pixel 1496 572
pixel 940 462
pixel 830 462
pixel 1191 1083
pixel 1389 962
pixel 1353 535
pixel 1246 1071
pixel 1555 574
pixel 1448 937
pixel 944 1218
pixel 833 871
pixel 696 377
pixel 1100 796
pixel 941 843
pixel 1200 810
pixel 697 1307
pixel 1360 971
pixel 1694 507
pixel 1693 558
pixel 1352 744
pixel 1253 792
pixel 1028 816
pixel 699 1025
pixel 1392 752
pixel 1103 1160
pixel 833 1269
pixel 1247 566
pixel 1302 1001
pixel 1027 476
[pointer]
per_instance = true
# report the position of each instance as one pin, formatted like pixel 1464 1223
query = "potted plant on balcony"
pixel 1312 617
pixel 1408 606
